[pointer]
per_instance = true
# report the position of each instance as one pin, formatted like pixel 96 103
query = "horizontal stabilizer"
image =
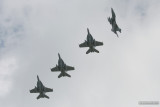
pixel 39 96
pixel 89 50
pixel 95 50
pixel 60 75
pixel 92 50
pixel 67 75
pixel 42 96
pixel 46 96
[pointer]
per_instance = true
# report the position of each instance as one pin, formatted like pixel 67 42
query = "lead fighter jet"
pixel 91 43
pixel 62 67
pixel 112 21
pixel 41 89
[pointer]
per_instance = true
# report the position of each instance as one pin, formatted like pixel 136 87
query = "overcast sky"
pixel 33 32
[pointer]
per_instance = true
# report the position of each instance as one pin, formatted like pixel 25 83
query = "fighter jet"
pixel 41 89
pixel 112 21
pixel 91 43
pixel 62 67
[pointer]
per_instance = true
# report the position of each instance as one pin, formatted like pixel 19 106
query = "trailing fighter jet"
pixel 91 43
pixel 112 21
pixel 41 89
pixel 62 67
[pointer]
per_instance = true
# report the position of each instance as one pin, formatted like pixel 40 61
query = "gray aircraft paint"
pixel 62 67
pixel 115 77
pixel 112 21
pixel 41 89
pixel 91 43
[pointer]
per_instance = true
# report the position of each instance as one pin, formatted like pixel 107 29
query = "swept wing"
pixel 34 90
pixel 55 69
pixel 97 43
pixel 84 44
pixel 69 68
pixel 48 89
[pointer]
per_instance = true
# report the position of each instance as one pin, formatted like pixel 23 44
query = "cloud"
pixel 33 32
pixel 7 67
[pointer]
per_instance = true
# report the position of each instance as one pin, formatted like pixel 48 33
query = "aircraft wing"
pixel 48 89
pixel 34 90
pixel 69 68
pixel 84 44
pixel 113 14
pixel 55 69
pixel 97 43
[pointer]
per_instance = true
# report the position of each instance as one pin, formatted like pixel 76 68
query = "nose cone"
pixel 112 9
pixel 87 30
pixel 37 77
pixel 59 56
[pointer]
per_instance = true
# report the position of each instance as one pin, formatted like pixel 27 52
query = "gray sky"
pixel 33 32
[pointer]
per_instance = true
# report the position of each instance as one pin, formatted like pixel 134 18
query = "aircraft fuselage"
pixel 90 41
pixel 40 86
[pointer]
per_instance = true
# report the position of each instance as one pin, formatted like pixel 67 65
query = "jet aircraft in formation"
pixel 91 43
pixel 41 89
pixel 62 67
pixel 112 21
